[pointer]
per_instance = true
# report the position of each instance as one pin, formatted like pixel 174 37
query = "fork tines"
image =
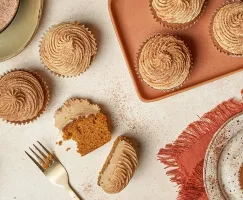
pixel 45 159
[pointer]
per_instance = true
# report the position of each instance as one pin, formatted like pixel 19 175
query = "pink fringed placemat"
pixel 185 157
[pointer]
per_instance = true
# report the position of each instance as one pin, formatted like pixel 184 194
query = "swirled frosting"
pixel 228 27
pixel 21 96
pixel 164 62
pixel 119 167
pixel 68 49
pixel 177 11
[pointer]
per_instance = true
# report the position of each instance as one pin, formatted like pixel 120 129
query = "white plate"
pixel 20 32
pixel 223 160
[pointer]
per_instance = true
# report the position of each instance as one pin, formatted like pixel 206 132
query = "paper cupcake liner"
pixel 176 26
pixel 216 44
pixel 46 94
pixel 137 63
pixel 52 27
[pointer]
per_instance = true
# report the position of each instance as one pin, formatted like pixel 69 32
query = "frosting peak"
pixel 228 27
pixel 21 96
pixel 68 49
pixel 177 11
pixel 164 62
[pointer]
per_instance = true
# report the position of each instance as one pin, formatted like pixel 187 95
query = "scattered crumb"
pixel 68 149
pixel 59 143
pixel 46 162
pixel 87 189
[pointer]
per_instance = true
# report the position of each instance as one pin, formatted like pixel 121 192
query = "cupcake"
pixel 177 14
pixel 68 49
pixel 23 96
pixel 84 123
pixel 8 10
pixel 164 62
pixel 227 28
pixel 119 167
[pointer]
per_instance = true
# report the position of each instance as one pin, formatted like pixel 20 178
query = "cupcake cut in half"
pixel 227 28
pixel 164 62
pixel 119 167
pixel 23 96
pixel 177 13
pixel 68 49
pixel 83 122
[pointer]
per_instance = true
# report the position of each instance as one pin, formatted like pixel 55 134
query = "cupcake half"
pixel 83 122
pixel 177 14
pixel 164 62
pixel 68 49
pixel 119 167
pixel 23 96
pixel 227 28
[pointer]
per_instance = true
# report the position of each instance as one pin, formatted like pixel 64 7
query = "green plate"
pixel 21 31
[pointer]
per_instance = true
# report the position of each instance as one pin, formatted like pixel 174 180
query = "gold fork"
pixel 53 169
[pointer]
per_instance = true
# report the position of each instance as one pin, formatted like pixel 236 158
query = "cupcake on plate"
pixel 164 62
pixel 24 96
pixel 68 49
pixel 84 123
pixel 227 28
pixel 8 10
pixel 119 167
pixel 177 14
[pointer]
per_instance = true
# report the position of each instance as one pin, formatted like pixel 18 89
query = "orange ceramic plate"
pixel 134 23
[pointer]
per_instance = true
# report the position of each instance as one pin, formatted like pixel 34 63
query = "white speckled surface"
pixel 108 83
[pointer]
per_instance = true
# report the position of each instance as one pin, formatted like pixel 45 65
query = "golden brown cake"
pixel 164 62
pixel 23 96
pixel 82 122
pixel 8 9
pixel 89 132
pixel 68 49
pixel 119 167
pixel 227 28
pixel 177 11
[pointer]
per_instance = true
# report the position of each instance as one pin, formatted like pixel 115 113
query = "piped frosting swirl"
pixel 228 27
pixel 21 96
pixel 68 49
pixel 177 11
pixel 120 166
pixel 164 62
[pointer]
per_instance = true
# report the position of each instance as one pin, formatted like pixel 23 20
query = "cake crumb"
pixel 68 149
pixel 87 189
pixel 59 143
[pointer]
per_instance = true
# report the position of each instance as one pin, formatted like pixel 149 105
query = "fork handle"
pixel 72 193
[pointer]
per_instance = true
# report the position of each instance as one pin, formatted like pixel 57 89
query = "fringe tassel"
pixel 190 188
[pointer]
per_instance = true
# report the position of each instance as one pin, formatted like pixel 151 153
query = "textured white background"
pixel 107 83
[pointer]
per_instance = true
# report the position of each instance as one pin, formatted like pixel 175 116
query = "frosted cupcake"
pixel 227 28
pixel 177 14
pixel 68 49
pixel 164 62
pixel 23 96
pixel 84 123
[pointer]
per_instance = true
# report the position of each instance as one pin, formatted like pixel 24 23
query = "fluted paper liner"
pixel 136 64
pixel 176 26
pixel 46 92
pixel 52 27
pixel 216 44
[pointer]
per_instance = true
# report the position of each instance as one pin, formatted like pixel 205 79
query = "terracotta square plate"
pixel 134 23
